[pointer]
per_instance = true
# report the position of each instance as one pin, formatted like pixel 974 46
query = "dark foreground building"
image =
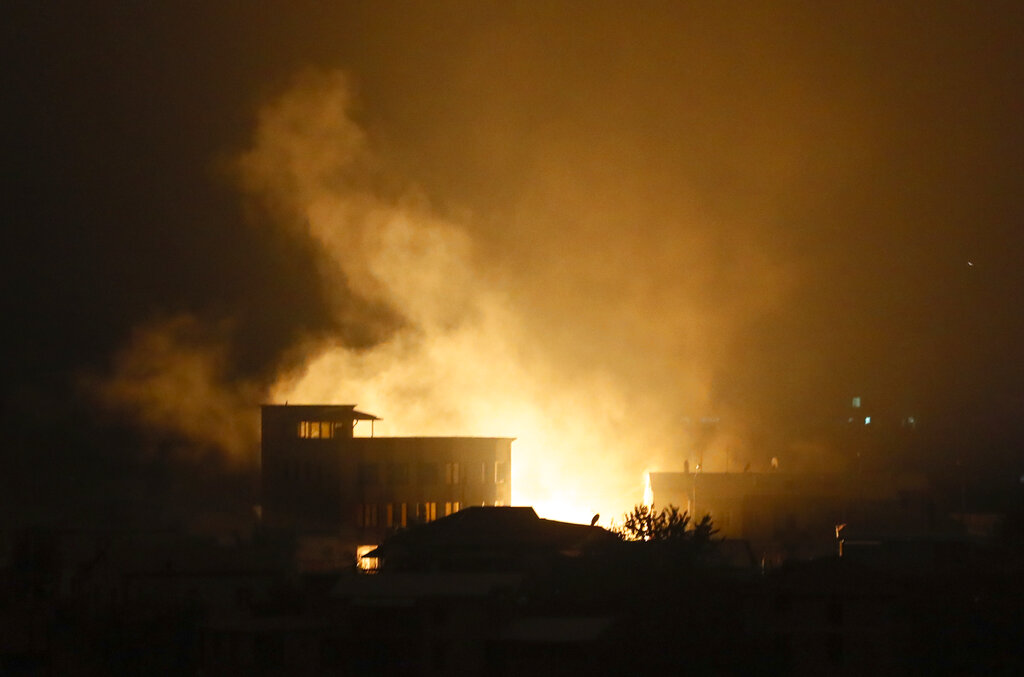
pixel 320 479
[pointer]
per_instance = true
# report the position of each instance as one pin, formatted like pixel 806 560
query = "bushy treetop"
pixel 670 524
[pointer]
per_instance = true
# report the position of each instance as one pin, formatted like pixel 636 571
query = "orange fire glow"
pixel 586 370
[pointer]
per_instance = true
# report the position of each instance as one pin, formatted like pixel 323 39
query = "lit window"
pixel 447 508
pixel 315 430
pixel 403 518
pixel 430 511
pixel 366 563
pixel 389 515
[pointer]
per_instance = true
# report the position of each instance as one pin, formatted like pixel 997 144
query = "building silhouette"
pixel 319 478
pixel 801 514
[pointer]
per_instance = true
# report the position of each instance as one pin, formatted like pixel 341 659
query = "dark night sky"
pixel 857 169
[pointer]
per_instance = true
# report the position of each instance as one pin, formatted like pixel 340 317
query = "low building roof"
pixel 327 412
pixel 484 527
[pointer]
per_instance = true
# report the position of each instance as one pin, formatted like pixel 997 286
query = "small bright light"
pixel 856 402
pixel 366 563
pixel 867 420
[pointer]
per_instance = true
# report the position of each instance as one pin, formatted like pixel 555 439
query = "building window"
pixel 429 473
pixel 403 515
pixel 430 511
pixel 318 430
pixel 389 515
pixel 451 507
pixel 451 473
pixel 367 564
pixel 500 472
pixel 366 515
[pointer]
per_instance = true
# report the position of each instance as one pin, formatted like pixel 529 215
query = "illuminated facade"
pixel 319 477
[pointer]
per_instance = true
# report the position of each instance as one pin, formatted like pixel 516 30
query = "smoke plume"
pixel 593 344
pixel 171 378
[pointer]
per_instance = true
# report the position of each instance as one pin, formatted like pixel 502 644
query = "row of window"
pixel 308 472
pixel 398 474
pixel 430 473
pixel 374 515
pixel 321 430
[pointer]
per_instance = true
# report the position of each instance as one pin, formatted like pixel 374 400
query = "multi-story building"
pixel 320 477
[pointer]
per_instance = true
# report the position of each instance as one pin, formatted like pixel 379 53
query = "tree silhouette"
pixel 670 524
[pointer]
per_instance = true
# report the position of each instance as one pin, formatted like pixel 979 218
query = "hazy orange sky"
pixel 588 225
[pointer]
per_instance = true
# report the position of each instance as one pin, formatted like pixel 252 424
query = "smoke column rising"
pixel 587 226
pixel 170 377
pixel 476 352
